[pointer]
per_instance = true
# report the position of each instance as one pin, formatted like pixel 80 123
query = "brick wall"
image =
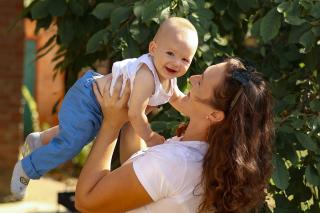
pixel 11 65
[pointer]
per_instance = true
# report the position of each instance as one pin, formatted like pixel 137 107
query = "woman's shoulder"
pixel 174 150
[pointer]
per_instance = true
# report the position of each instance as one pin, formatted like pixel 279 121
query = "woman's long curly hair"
pixel 237 165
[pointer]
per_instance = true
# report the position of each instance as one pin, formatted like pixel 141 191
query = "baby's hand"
pixel 155 139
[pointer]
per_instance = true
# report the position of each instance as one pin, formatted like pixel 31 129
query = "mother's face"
pixel 202 86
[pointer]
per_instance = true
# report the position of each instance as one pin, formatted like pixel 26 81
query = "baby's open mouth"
pixel 170 70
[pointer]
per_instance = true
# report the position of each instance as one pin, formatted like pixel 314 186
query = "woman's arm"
pixel 99 189
pixel 130 142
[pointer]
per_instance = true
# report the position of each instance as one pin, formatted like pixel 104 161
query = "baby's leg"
pixel 47 135
pixel 79 121
pixel 130 142
pixel 37 139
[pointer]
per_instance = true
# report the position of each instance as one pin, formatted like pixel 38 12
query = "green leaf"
pixel 315 105
pixel 306 142
pixel 290 154
pixel 66 30
pixel 297 187
pixel 294 20
pixel 57 7
pixel 184 8
pixel 314 208
pixel 283 7
pixel 78 7
pixel 318 167
pixel 255 30
pixel 96 41
pixel 270 25
pixel 50 41
pixel 316 31
pixel 153 9
pixel 307 40
pixel 312 176
pixel 297 123
pixel 138 8
pixel 220 5
pixel 139 33
pixel 306 4
pixel 290 100
pixel 118 16
pixel 283 205
pixel 40 10
pixel 43 23
pixel 103 10
pixel 159 126
pixel 132 49
pixel 315 11
pixel 280 174
pixel 245 5
pixel 296 32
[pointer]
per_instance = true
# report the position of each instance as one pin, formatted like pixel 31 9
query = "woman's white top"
pixel 170 173
pixel 129 67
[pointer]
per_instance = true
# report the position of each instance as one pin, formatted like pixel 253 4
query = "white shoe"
pixel 19 181
pixel 31 143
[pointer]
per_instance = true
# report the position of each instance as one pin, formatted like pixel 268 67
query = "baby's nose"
pixel 176 63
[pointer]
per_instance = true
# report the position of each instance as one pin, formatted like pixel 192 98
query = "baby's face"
pixel 173 52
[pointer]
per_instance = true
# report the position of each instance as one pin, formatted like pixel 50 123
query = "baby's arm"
pixel 143 88
pixel 178 100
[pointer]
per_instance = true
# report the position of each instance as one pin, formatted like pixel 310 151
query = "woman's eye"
pixel 170 53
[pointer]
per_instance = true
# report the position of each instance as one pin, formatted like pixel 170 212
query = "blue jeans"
pixel 80 119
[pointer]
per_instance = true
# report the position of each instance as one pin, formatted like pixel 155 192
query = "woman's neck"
pixel 195 131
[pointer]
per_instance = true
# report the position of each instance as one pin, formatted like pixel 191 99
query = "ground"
pixel 41 197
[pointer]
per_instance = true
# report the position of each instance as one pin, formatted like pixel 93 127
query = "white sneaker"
pixel 31 143
pixel 19 181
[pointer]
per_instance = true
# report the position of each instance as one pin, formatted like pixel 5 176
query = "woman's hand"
pixel 114 108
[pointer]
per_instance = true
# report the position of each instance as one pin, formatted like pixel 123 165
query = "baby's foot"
pixel 31 143
pixel 19 181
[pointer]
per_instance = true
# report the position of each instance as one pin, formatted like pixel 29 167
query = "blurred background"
pixel 45 45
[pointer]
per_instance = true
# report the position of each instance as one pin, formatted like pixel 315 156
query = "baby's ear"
pixel 152 47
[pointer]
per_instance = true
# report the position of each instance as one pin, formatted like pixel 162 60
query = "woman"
pixel 222 162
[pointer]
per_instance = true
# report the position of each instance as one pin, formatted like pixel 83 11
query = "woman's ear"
pixel 216 116
pixel 152 47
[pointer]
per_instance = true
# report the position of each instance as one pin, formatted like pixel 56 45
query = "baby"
pixel 153 82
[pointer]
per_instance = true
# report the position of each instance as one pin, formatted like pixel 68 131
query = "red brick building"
pixel 11 74
pixel 18 49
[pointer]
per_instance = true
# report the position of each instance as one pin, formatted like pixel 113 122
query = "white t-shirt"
pixel 129 67
pixel 170 174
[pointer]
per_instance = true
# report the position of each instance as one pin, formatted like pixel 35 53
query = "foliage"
pixel 280 37
pixel 29 100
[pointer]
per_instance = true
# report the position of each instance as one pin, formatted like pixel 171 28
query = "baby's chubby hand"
pixel 155 139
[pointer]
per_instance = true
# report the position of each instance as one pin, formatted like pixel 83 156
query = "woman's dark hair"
pixel 237 165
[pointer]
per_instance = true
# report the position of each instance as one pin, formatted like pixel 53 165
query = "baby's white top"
pixel 129 67
pixel 171 174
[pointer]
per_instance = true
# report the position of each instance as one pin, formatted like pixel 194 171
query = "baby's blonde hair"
pixel 177 23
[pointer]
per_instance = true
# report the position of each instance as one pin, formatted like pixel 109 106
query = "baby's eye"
pixel 170 53
pixel 186 60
